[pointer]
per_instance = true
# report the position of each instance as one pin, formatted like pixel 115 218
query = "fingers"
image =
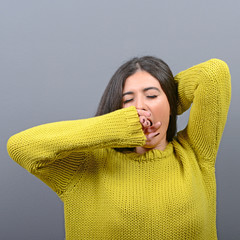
pixel 143 117
pixel 143 113
pixel 151 136
pixel 152 131
pixel 144 121
pixel 154 127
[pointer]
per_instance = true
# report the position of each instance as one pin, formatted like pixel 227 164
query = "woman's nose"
pixel 139 104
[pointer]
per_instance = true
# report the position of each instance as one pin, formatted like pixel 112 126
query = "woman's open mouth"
pixel 150 122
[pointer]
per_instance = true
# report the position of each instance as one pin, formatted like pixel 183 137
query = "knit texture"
pixel 168 194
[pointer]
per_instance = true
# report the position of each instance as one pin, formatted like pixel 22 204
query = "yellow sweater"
pixel 168 194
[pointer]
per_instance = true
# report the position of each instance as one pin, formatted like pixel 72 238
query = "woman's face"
pixel 144 92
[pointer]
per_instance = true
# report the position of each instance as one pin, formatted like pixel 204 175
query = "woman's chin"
pixel 156 144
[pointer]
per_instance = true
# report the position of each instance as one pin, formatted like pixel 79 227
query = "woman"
pixel 123 174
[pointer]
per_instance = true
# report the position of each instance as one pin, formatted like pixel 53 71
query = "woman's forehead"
pixel 141 80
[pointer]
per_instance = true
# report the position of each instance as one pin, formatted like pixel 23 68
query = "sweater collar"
pixel 151 155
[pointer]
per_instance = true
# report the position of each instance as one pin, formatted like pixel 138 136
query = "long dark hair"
pixel 112 96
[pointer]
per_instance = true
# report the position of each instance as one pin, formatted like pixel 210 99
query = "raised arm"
pixel 53 152
pixel 207 87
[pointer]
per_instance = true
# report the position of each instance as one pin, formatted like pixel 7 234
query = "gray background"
pixel 56 58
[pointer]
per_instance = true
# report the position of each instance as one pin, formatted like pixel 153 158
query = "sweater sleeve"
pixel 207 87
pixel 54 151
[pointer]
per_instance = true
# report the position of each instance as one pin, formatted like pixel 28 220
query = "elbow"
pixel 224 79
pixel 18 150
pixel 220 70
pixel 12 147
pixel 217 71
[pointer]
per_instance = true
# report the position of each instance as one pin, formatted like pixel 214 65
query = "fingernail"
pixel 157 134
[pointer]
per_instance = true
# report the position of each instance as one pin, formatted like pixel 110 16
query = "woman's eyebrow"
pixel 149 88
pixel 126 93
pixel 144 90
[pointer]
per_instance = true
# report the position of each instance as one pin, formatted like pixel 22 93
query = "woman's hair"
pixel 112 96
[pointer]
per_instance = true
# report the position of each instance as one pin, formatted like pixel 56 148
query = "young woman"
pixel 123 174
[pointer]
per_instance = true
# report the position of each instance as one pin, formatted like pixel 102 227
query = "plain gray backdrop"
pixel 56 58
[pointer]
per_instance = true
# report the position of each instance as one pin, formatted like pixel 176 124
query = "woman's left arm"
pixel 207 87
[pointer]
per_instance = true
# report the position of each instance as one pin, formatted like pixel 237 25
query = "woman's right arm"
pixel 45 149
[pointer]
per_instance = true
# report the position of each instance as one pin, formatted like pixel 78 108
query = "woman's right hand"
pixel 149 128
pixel 144 118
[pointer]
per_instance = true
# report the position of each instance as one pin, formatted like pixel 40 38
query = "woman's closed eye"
pixel 151 96
pixel 127 101
pixel 131 99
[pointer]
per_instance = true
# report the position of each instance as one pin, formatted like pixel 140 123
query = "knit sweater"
pixel 108 194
